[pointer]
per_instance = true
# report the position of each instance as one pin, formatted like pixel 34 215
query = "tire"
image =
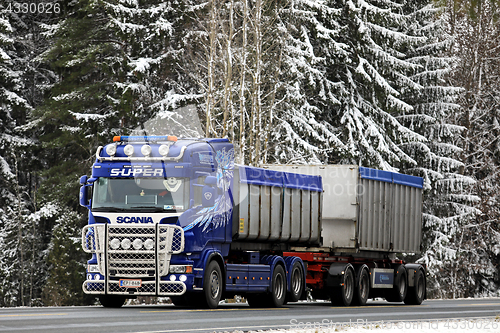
pixel 297 283
pixel 344 294
pixel 278 287
pixel 212 285
pixel 112 301
pixel 400 289
pixel 362 289
pixel 416 294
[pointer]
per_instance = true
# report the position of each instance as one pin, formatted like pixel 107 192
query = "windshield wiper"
pixel 108 209
pixel 147 208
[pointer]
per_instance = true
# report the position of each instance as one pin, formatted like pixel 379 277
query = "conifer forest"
pixel 411 86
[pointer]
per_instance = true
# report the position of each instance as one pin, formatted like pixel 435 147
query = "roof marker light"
pixel 152 138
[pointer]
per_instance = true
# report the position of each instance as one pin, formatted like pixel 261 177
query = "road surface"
pixel 228 318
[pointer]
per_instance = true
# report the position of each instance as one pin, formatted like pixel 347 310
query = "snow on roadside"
pixel 487 324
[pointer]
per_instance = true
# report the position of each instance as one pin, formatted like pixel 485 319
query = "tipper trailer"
pixel 176 217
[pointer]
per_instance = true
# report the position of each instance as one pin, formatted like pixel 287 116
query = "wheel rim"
pixel 214 284
pixel 296 281
pixel 348 286
pixel 402 285
pixel 364 287
pixel 420 288
pixel 279 286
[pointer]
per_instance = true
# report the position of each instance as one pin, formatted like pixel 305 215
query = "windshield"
pixel 141 194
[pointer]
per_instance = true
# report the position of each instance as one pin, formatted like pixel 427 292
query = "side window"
pixel 197 190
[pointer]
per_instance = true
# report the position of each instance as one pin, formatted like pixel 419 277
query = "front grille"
pixel 139 252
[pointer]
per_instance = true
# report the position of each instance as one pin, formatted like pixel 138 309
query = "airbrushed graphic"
pixel 219 214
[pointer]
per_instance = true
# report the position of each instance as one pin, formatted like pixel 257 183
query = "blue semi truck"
pixel 176 217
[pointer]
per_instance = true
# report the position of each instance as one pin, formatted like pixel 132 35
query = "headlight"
pixel 149 244
pixel 126 243
pixel 137 243
pixel 115 243
pixel 181 269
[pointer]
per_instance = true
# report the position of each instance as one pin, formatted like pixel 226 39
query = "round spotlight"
pixel 97 277
pixel 126 243
pixel 172 277
pixel 146 150
pixel 89 276
pixel 111 150
pixel 137 244
pixel 129 150
pixel 149 244
pixel 163 150
pixel 183 278
pixel 115 243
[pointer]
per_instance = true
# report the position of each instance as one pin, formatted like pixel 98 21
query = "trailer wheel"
pixel 112 301
pixel 362 289
pixel 400 289
pixel 344 294
pixel 212 285
pixel 296 283
pixel 416 294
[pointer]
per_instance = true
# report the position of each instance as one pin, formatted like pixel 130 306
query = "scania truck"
pixel 176 217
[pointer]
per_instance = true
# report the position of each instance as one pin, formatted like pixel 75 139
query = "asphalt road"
pixel 228 318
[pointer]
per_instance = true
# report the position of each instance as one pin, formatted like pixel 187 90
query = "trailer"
pixel 176 217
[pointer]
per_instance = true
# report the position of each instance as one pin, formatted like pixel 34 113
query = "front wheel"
pixel 112 301
pixel 212 285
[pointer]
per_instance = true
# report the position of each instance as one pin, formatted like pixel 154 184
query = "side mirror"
pixel 83 180
pixel 84 196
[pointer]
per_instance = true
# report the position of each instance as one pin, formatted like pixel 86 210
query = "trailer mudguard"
pixel 336 272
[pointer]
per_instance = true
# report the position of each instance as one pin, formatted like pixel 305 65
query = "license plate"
pixel 130 283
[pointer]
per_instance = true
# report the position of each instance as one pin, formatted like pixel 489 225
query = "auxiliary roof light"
pixel 146 150
pixel 129 150
pixel 111 150
pixel 163 150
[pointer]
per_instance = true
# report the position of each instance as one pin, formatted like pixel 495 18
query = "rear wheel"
pixel 278 291
pixel 398 292
pixel 296 283
pixel 416 294
pixel 112 301
pixel 362 289
pixel 344 294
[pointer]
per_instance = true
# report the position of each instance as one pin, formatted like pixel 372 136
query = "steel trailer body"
pixel 176 217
